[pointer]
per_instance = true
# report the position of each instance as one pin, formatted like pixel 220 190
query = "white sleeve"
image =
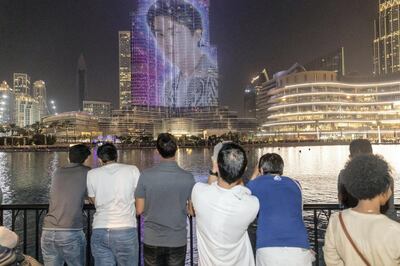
pixel 90 186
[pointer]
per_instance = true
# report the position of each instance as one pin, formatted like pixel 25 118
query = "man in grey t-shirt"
pixel 63 239
pixel 162 195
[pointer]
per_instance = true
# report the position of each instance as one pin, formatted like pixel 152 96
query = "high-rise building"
pixel 125 81
pixel 39 94
pixel 97 108
pixel 26 110
pixel 250 101
pixel 81 81
pixel 22 83
pixel 387 38
pixel 6 103
pixel 173 63
pixel 333 61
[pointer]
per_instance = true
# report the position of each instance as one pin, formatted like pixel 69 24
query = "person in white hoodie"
pixel 224 210
pixel 111 188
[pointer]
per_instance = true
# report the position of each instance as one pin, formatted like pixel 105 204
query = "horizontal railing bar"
pixel 311 206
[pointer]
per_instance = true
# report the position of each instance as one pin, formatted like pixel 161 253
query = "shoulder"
pixel 200 188
pixel 129 167
pixel 186 174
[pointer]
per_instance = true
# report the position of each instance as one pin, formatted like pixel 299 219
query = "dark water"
pixel 25 177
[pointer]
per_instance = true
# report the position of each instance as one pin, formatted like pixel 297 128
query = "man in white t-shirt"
pixel 111 188
pixel 224 210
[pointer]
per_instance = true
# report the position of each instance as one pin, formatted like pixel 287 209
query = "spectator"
pixel 281 234
pixel 224 210
pixel 360 147
pixel 213 174
pixel 8 242
pixel 63 239
pixel 362 235
pixel 111 188
pixel 162 195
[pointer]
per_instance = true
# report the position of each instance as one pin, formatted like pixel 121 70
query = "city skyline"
pixel 247 39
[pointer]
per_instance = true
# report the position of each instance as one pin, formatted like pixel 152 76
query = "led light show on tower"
pixel 173 63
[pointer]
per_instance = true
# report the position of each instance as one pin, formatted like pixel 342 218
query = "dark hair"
pixel 367 176
pixel 180 11
pixel 107 153
pixel 232 162
pixel 360 146
pixel 271 163
pixel 78 153
pixel 166 145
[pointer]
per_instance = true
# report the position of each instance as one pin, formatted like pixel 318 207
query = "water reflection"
pixel 25 177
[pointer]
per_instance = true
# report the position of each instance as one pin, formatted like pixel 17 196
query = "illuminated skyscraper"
pixel 173 63
pixel 6 103
pixel 22 83
pixel 39 94
pixel 387 38
pixel 26 110
pixel 82 89
pixel 125 83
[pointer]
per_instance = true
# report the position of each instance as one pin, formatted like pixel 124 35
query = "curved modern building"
pixel 314 105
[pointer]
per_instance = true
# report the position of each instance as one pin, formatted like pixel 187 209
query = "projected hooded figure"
pixel 177 28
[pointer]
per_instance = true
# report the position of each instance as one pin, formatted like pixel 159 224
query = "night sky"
pixel 44 38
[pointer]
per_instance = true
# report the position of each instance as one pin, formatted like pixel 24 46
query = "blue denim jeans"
pixel 115 246
pixel 59 246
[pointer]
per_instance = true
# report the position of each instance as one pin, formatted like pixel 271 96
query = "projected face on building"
pixel 182 63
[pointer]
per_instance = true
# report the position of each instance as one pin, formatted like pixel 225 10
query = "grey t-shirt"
pixel 166 188
pixel 67 195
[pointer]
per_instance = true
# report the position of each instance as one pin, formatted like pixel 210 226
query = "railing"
pixel 26 221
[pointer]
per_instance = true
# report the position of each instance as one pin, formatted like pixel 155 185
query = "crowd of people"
pixel 238 222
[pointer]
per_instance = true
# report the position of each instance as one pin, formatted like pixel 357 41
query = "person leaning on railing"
pixel 281 237
pixel 63 239
pixel 362 235
pixel 111 189
pixel 162 196
pixel 224 209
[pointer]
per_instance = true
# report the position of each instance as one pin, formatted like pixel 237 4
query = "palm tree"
pixel 13 127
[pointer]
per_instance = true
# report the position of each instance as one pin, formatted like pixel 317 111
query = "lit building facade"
pixel 26 110
pixel 249 107
pixel 387 38
pixel 22 83
pixel 97 108
pixel 125 80
pixel 173 63
pixel 40 95
pixel 6 103
pixel 315 105
pixel 72 126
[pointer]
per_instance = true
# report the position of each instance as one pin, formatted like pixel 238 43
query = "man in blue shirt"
pixel 281 234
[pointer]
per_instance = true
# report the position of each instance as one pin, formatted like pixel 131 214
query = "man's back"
pixel 113 187
pixel 67 193
pixel 222 218
pixel 166 189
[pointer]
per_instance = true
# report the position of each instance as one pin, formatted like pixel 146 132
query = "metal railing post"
pixel 191 241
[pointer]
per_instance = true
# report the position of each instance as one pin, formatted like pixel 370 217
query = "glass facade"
pixel 173 63
pixel 387 38
pixel 314 105
pixel 39 93
pixel 22 83
pixel 125 81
